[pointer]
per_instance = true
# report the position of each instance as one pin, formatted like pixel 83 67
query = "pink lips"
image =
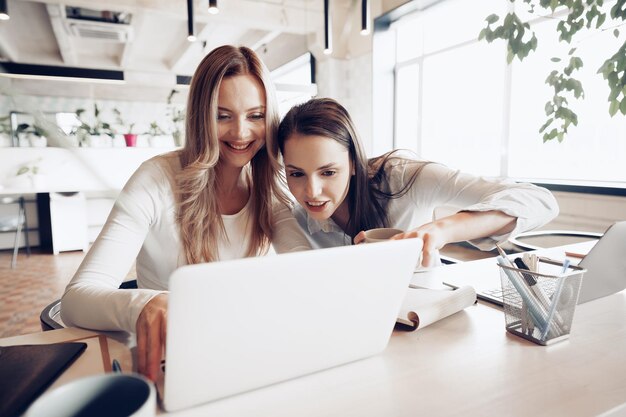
pixel 317 207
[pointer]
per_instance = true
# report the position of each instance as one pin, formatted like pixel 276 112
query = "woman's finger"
pixel 155 345
pixel 359 237
pixel 141 347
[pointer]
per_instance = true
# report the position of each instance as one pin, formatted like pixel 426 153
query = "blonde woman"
pixel 218 198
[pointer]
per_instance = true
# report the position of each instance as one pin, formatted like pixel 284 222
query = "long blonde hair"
pixel 198 213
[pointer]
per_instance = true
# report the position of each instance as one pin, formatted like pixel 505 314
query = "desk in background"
pixel 98 173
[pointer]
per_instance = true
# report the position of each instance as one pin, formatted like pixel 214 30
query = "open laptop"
pixel 238 325
pixel 605 264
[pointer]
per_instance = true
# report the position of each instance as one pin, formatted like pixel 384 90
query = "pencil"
pixel 574 255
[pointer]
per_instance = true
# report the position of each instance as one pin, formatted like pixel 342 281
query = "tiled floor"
pixel 37 281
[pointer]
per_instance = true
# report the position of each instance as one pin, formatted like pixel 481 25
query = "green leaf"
pixel 622 106
pixel 492 18
pixel 546 124
pixel 553 4
pixel 22 170
pixel 571 51
pixel 600 21
pixel 616 33
pixel 614 93
pixel 613 107
pixel 549 108
pixel 555 59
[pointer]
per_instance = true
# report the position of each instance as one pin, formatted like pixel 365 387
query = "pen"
pixel 502 253
pixel 115 366
pixel 541 296
pixel 528 277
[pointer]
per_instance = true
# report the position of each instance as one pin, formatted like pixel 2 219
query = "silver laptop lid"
pixel 605 264
pixel 238 325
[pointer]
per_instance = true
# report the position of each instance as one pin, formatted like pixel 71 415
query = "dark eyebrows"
pixel 330 165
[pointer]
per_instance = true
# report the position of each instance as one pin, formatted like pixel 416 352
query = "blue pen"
pixel 556 297
pixel 115 366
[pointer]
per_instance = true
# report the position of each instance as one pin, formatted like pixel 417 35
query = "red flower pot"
pixel 131 139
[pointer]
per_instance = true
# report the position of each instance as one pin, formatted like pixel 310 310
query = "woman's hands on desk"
pixel 432 235
pixel 462 226
pixel 151 330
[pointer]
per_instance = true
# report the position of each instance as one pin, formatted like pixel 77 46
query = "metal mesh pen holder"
pixel 540 306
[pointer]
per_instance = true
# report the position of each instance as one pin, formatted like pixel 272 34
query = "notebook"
pixel 605 264
pixel 234 326
pixel 27 370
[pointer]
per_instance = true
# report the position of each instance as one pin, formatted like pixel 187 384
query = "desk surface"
pixel 464 365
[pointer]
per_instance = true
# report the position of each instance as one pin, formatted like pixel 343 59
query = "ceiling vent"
pixel 101 25
pixel 115 32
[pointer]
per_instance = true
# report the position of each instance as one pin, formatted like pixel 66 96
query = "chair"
pixel 50 317
pixel 540 239
pixel 17 224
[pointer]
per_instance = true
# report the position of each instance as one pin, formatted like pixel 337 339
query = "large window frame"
pixel 386 71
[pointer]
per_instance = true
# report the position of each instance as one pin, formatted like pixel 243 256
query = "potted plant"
pixel 129 137
pixel 27 174
pixel 158 137
pixel 177 117
pixel 5 131
pixel 31 135
pixel 98 133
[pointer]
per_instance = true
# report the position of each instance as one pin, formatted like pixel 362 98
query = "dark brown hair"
pixel 369 190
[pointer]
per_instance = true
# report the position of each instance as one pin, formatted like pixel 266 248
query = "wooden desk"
pixel 464 365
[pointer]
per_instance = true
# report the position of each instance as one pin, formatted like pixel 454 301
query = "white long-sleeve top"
pixel 437 186
pixel 142 226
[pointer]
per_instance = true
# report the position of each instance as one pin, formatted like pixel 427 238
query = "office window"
pixel 294 82
pixel 458 102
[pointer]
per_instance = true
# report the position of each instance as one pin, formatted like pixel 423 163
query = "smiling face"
pixel 240 119
pixel 318 174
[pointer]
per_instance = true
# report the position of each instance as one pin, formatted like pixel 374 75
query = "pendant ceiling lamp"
pixel 328 32
pixel 213 7
pixel 4 10
pixel 191 37
pixel 365 17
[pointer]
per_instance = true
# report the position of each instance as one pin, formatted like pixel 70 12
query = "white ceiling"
pixel 279 30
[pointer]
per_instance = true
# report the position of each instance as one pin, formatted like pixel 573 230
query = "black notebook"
pixel 27 370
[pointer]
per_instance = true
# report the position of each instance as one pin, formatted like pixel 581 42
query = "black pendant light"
pixel 213 7
pixel 328 32
pixel 191 37
pixel 365 17
pixel 4 10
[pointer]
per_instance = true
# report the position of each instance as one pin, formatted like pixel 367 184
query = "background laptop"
pixel 238 325
pixel 605 264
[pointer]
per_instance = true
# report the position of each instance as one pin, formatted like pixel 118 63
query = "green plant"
pixel 97 125
pixel 5 125
pixel 177 117
pixel 120 121
pixel 29 168
pixel 155 129
pixel 578 14
pixel 32 129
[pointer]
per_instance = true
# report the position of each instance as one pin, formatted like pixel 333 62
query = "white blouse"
pixel 142 227
pixel 438 186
